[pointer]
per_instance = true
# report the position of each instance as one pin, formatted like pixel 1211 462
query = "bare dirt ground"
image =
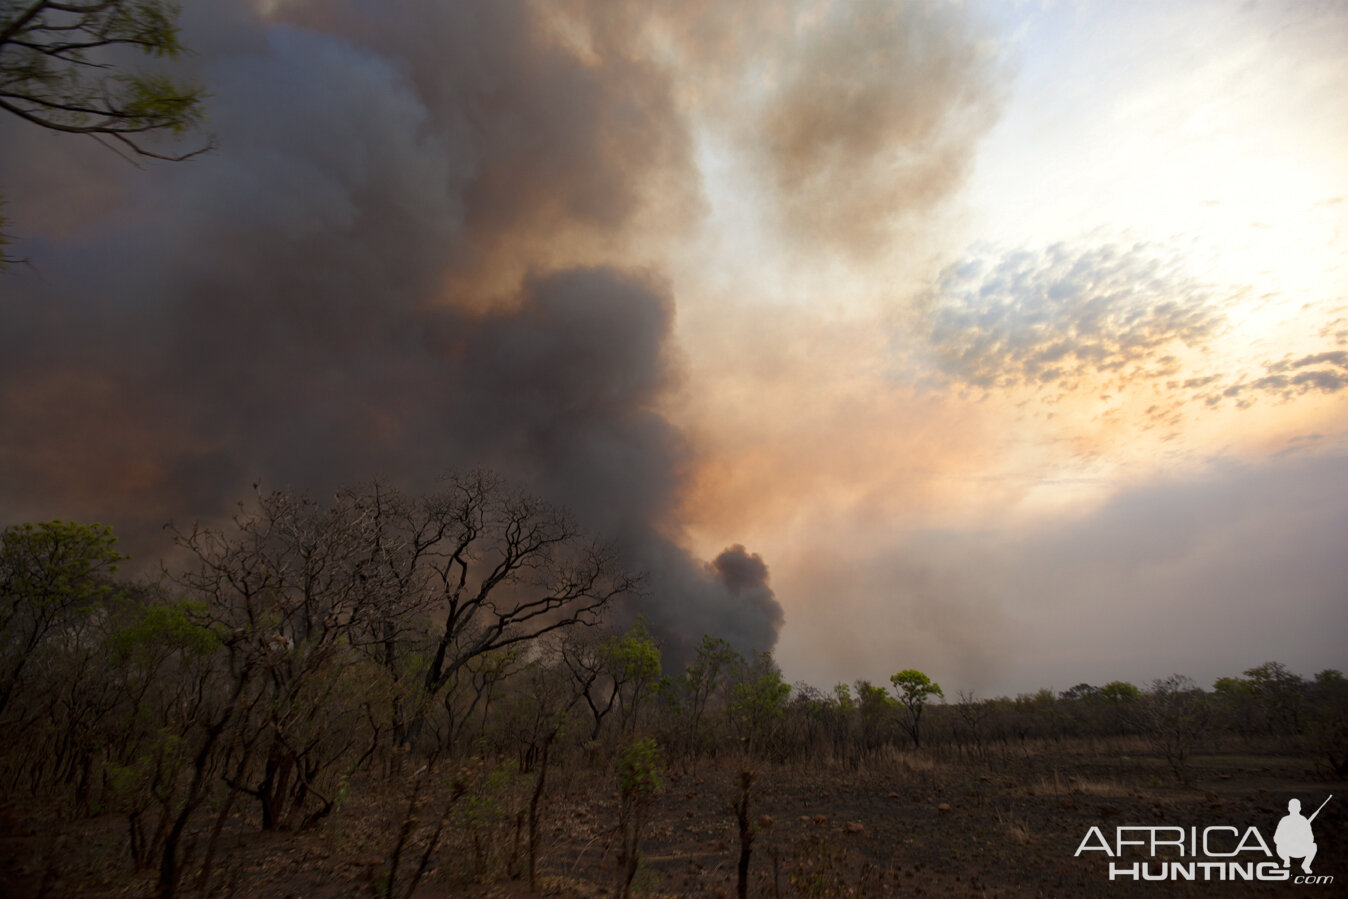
pixel 897 824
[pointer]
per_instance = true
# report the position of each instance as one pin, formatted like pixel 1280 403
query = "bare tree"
pixel 293 589
pixel 617 671
pixel 972 712
pixel 509 569
pixel 301 587
pixel 1175 715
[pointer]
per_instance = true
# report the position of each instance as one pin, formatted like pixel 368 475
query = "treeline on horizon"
pixel 307 647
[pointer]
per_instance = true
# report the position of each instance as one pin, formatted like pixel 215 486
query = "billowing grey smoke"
pixel 335 293
pixel 745 575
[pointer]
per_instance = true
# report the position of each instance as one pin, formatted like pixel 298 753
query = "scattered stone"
pixel 855 827
pixel 821 819
pixel 944 808
pixel 893 796
pixel 765 821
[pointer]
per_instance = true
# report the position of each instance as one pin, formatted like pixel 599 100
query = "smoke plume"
pixel 437 236
pixel 398 263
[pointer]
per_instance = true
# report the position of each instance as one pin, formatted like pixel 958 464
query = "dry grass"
pixel 1014 826
pixel 1097 787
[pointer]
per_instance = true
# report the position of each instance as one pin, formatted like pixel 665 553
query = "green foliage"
pixel 59 70
pixel 871 698
pixel 639 770
pixel 638 782
pixel 1119 691
pixel 52 576
pixel 876 708
pixel 711 660
pixel 57 562
pixel 55 68
pixel 634 656
pixel 700 682
pixel 485 806
pixel 633 661
pixel 131 784
pixel 914 690
pixel 758 700
pixel 173 626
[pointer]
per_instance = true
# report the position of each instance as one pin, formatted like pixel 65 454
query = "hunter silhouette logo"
pixel 1294 838
pixel 1219 852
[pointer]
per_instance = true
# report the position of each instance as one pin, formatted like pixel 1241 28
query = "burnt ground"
pixel 898 824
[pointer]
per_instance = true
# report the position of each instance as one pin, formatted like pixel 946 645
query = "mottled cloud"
pixel 1050 318
pixel 1290 377
pixel 1098 320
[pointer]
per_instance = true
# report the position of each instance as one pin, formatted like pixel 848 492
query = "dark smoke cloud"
pixel 746 576
pixel 340 291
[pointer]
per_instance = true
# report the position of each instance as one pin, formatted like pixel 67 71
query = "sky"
pixel 1003 340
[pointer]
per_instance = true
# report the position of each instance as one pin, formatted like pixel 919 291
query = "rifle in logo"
pixel 1294 838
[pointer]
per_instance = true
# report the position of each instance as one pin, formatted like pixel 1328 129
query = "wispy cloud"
pixel 1289 377
pixel 1047 319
